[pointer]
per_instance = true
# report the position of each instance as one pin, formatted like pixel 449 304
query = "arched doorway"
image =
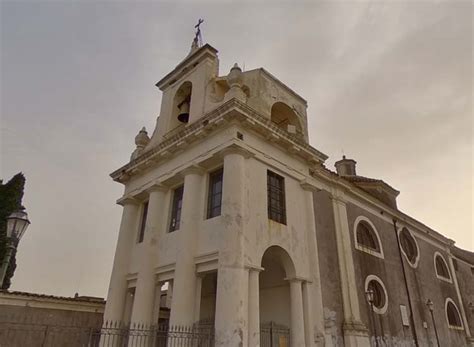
pixel 274 297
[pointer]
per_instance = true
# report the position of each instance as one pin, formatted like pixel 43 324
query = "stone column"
pixel 197 300
pixel 308 314
pixel 315 316
pixel 232 277
pixel 117 293
pixel 254 307
pixel 184 286
pixel 142 312
pixel 355 332
pixel 297 316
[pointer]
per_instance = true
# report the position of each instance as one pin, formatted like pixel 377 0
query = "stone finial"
pixel 141 140
pixel 235 82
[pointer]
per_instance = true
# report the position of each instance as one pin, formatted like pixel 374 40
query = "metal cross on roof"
pixel 198 37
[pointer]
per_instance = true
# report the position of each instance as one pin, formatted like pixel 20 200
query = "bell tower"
pixel 220 194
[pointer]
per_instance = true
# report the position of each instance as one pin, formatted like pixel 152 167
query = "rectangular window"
pixel 176 208
pixel 141 234
pixel 214 197
pixel 276 197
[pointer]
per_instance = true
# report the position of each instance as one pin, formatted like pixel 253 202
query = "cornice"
pixel 342 189
pixel 229 111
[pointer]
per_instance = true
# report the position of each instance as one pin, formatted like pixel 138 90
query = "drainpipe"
pixel 413 328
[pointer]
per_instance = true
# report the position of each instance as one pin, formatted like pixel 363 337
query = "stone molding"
pixel 127 200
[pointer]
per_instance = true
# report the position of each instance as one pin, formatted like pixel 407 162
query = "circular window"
pixel 409 246
pixel 380 300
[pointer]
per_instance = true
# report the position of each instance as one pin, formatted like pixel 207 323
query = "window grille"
pixel 441 267
pixel 276 197
pixel 176 208
pixel 214 198
pixel 452 312
pixel 366 237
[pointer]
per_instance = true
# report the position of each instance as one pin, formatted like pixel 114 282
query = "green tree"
pixel 11 194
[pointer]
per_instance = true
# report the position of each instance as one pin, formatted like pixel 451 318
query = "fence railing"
pixel 110 335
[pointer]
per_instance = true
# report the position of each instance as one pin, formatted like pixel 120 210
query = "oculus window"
pixel 176 208
pixel 214 197
pixel 375 284
pixel 276 197
pixel 409 247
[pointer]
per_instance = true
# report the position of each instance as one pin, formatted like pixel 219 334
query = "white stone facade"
pixel 239 269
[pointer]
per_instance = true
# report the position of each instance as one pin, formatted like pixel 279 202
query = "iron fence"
pixel 112 334
pixel 274 335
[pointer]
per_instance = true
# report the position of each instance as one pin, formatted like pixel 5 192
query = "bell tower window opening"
pixel 141 233
pixel 276 197
pixel 176 208
pixel 284 117
pixel 181 105
pixel 214 198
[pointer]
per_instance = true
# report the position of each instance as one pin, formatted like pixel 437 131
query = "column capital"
pixel 193 169
pixel 296 279
pixel 256 268
pixel 338 196
pixel 156 187
pixel 306 185
pixel 127 200
pixel 236 149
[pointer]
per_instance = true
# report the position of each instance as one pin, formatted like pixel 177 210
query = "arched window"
pixel 409 247
pixel 284 117
pixel 380 302
pixel 452 315
pixel 366 237
pixel 441 268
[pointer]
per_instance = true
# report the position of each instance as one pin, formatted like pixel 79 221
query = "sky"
pixel 388 84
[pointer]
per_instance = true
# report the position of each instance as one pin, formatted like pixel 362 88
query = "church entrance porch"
pixel 280 301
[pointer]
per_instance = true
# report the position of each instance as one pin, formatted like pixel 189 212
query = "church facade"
pixel 230 210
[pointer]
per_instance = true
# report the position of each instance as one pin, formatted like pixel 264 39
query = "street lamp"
pixel 430 305
pixel 17 223
pixel 370 296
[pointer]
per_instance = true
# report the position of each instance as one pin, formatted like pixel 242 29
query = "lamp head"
pixel 17 223
pixel 429 304
pixel 369 294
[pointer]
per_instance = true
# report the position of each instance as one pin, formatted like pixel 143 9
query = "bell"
pixel 183 115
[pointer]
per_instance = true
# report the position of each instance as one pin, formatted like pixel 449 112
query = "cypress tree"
pixel 11 194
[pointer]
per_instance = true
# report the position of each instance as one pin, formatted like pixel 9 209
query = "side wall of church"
pixel 423 284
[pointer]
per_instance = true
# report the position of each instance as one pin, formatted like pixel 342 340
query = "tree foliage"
pixel 11 194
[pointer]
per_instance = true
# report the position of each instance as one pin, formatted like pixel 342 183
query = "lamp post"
pixel 430 305
pixel 370 296
pixel 17 223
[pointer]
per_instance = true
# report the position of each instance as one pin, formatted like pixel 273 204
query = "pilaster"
pixel 297 314
pixel 145 290
pixel 232 278
pixel 355 332
pixel 314 319
pixel 184 286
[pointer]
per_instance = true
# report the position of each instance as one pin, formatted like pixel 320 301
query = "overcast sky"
pixel 389 83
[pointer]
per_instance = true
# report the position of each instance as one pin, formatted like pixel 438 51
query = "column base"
pixel 356 335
